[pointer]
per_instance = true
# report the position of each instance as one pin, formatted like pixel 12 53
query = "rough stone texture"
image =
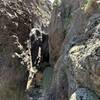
pixel 59 26
pixel 84 94
pixel 17 17
pixel 85 64
pixel 78 64
pixel 81 66
pixel 56 35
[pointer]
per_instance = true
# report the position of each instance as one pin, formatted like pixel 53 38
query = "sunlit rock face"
pixel 17 18
pixel 84 58
pixel 51 1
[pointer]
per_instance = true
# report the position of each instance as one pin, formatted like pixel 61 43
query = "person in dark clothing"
pixel 36 42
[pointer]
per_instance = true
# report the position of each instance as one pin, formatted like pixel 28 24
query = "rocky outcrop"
pixel 74 48
pixel 56 35
pixel 59 26
pixel 78 63
pixel 84 94
pixel 17 17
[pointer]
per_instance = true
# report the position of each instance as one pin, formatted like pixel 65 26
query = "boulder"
pixel 84 94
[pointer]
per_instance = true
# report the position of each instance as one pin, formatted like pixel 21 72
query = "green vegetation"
pixel 57 3
pixel 88 4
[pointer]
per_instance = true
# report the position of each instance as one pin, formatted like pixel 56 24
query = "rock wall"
pixel 77 63
pixel 59 26
pixel 17 18
pixel 74 48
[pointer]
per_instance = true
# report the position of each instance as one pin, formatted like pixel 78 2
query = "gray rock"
pixel 84 94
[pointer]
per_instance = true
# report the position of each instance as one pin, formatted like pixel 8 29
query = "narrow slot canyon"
pixel 49 49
